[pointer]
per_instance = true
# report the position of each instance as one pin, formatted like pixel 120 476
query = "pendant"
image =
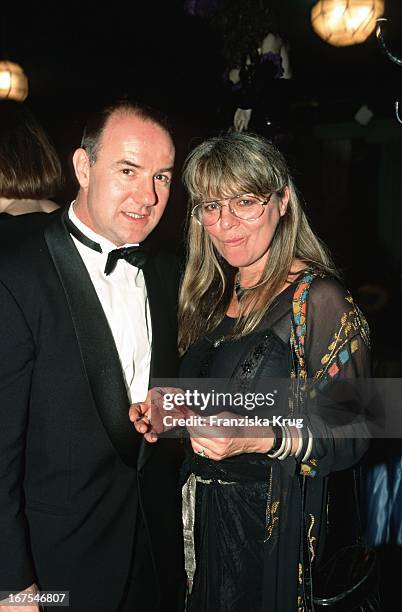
pixel 218 342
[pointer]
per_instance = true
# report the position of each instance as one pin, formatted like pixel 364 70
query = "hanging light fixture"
pixel 345 22
pixel 13 81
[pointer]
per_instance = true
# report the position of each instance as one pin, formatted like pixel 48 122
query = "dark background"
pixel 74 53
pixel 77 55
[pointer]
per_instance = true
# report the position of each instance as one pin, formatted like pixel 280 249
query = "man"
pixel 85 505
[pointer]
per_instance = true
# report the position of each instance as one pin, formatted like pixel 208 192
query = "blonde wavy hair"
pixel 221 167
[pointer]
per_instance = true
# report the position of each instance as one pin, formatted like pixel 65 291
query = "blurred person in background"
pixel 30 172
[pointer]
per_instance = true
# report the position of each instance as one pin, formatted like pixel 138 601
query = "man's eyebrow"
pixel 170 169
pixel 127 162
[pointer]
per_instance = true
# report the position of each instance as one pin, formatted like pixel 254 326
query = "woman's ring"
pixel 202 453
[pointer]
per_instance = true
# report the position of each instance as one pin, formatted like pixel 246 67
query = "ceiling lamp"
pixel 345 22
pixel 13 81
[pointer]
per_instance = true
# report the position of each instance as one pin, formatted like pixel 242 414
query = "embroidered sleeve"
pixel 337 353
pixel 337 337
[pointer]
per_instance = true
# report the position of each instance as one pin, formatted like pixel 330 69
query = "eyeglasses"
pixel 247 207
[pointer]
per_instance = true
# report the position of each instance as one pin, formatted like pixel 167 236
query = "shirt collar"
pixel 105 244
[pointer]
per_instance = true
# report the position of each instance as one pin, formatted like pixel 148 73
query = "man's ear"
pixel 82 167
pixel 283 204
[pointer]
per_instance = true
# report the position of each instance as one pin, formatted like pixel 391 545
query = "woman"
pixel 30 170
pixel 254 269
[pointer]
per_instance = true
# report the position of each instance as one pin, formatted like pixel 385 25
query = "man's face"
pixel 124 193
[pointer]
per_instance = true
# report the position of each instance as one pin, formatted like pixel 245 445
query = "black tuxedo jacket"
pixel 74 474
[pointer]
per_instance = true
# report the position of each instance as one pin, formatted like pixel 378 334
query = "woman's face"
pixel 245 244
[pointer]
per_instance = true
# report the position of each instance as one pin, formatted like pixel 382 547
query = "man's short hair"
pixel 98 120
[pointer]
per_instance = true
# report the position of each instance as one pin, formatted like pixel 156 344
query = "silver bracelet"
pixel 288 446
pixel 282 446
pixel 300 443
pixel 309 446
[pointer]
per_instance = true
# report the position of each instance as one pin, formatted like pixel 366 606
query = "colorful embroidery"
pixel 299 314
pixel 343 344
pixel 333 370
pixel 354 345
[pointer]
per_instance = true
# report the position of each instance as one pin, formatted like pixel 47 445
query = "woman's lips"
pixel 234 241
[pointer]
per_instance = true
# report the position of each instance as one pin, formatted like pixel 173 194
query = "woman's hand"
pixel 149 416
pixel 218 442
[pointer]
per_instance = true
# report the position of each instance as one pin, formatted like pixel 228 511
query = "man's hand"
pixel 218 442
pixel 16 608
pixel 148 416
pixel 140 415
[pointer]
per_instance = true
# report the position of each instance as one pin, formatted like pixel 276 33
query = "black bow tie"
pixel 135 255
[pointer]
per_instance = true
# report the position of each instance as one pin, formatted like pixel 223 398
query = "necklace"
pixel 218 341
pixel 239 290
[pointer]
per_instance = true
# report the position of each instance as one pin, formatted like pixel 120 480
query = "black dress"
pixel 16 228
pixel 242 515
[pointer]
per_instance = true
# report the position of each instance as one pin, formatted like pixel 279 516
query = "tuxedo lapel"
pixel 98 350
pixel 164 336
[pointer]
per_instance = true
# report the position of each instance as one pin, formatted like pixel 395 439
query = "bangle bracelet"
pixel 280 440
pixel 288 445
pixel 277 439
pixel 309 446
pixel 276 442
pixel 299 444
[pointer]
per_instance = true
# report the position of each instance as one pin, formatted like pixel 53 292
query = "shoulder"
pixel 169 271
pixel 330 305
pixel 328 299
pixel 16 231
pixel 323 297
pixel 22 244
pixel 21 273
pixel 165 258
pixel 327 291
pixel 329 296
pixel 167 263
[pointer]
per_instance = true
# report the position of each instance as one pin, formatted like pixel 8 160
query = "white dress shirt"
pixel 123 296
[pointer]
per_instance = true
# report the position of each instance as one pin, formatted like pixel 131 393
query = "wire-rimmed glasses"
pixel 246 206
